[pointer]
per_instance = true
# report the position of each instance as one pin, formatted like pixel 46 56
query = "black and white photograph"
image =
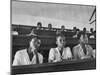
pixel 52 37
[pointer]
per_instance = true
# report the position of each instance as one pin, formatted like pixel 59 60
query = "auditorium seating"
pixel 48 39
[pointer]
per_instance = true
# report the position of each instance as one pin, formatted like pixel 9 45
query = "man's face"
pixel 49 26
pixel 34 43
pixel 62 28
pixel 84 39
pixel 61 41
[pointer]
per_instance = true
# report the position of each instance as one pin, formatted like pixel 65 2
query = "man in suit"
pixel 83 50
pixel 29 55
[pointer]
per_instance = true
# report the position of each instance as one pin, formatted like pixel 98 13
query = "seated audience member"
pixel 74 29
pixel 83 50
pixel 29 55
pixel 39 26
pixel 63 28
pixel 60 52
pixel 91 30
pixel 84 30
pixel 61 31
pixel 50 26
pixel 77 32
pixel 14 32
pixel 92 33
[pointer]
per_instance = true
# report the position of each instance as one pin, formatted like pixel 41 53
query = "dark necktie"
pixel 61 52
pixel 37 59
pixel 30 56
pixel 84 50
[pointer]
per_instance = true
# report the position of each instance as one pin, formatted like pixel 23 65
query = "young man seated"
pixel 39 26
pixel 29 55
pixel 83 50
pixel 60 52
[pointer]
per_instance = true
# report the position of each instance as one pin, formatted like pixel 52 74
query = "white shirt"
pixel 55 55
pixel 79 53
pixel 22 58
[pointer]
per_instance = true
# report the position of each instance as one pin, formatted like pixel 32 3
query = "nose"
pixel 63 41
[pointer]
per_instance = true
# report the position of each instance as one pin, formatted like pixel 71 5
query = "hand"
pixel 85 57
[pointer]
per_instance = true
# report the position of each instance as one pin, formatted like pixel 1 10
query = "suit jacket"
pixel 79 54
pixel 22 58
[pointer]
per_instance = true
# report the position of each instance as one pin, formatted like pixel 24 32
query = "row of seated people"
pixel 51 31
pixel 20 42
pixel 31 55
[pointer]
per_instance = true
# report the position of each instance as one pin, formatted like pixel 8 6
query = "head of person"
pixel 61 41
pixel 39 25
pixel 84 30
pixel 74 29
pixel 62 27
pixel 34 42
pixel 50 26
pixel 91 30
pixel 77 31
pixel 82 38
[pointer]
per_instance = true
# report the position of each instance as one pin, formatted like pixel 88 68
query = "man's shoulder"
pixel 20 51
pixel 40 54
pixel 67 48
pixel 76 47
pixel 52 49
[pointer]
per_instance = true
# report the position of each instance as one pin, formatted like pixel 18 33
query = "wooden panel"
pixel 54 67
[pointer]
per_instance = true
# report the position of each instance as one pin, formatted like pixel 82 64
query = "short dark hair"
pixel 29 38
pixel 39 23
pixel 84 29
pixel 59 35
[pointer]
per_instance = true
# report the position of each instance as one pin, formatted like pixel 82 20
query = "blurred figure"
pixel 84 30
pixel 93 33
pixel 83 50
pixel 14 32
pixel 39 25
pixel 50 26
pixel 32 32
pixel 91 30
pixel 62 28
pixel 77 32
pixel 29 55
pixel 61 31
pixel 60 52
pixel 74 29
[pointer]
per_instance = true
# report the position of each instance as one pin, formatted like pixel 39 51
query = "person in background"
pixel 74 29
pixel 60 52
pixel 14 32
pixel 83 50
pixel 77 32
pixel 91 30
pixel 39 26
pixel 92 33
pixel 62 28
pixel 29 55
pixel 61 31
pixel 84 30
pixel 50 26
